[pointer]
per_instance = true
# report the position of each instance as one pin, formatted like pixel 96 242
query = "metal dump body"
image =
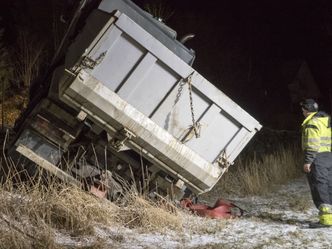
pixel 127 78
pixel 125 75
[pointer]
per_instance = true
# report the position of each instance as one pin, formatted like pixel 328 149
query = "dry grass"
pixel 31 214
pixel 259 175
pixel 12 239
pixel 13 107
pixel 140 212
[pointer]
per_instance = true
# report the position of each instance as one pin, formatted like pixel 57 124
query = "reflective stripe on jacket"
pixel 316 135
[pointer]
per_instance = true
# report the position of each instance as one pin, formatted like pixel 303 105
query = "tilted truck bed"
pixel 138 84
pixel 126 75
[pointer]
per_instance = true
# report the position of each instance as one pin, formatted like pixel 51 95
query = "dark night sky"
pixel 242 46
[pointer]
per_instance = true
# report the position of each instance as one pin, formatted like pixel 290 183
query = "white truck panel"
pixel 135 82
pixel 94 98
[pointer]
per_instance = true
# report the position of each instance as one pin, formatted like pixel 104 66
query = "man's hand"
pixel 307 167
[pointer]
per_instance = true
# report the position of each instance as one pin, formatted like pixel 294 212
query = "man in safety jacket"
pixel 316 144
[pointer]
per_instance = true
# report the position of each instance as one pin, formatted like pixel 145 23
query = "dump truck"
pixel 122 101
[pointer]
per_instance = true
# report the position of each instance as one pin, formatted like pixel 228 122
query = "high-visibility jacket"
pixel 316 135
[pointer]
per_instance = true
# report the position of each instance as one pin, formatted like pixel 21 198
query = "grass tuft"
pixel 259 174
pixel 137 211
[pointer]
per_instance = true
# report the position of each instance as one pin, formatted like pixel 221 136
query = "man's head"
pixel 309 106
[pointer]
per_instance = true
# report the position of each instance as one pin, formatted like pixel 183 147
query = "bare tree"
pixel 5 75
pixel 28 58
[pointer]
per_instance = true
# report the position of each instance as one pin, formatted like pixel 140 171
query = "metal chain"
pixel 180 89
pixel 196 125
